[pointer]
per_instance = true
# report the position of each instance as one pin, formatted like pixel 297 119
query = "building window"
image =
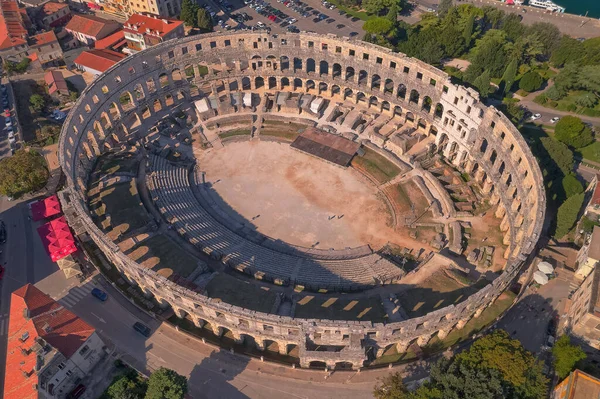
pixel 213 44
pixel 184 50
pixel 379 60
pixel 198 47
pixel 392 65
pixel 84 350
pixel 338 50
pixel 61 366
pixel 365 56
pixel 419 76
pixel 311 44
pixel 69 372
pixel 227 43
pixel 171 54
pixel 351 53
pixel 406 70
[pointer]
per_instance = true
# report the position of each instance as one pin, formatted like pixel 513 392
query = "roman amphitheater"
pixel 314 197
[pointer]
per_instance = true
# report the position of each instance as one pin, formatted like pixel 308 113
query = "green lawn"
pixel 568 104
pixel 236 132
pixel 376 165
pixel 339 308
pixel 284 134
pixel 123 204
pixel 241 293
pixel 163 255
pixel 352 11
pixel 591 152
pixel 438 291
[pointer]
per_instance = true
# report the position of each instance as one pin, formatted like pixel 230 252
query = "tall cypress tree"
pixel 482 82
pixel 189 11
pixel 204 21
pixel 468 32
pixel 509 75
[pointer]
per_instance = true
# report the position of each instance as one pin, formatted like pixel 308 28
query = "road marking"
pixel 98 317
pixel 70 302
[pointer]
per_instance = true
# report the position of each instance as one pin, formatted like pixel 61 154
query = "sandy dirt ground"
pixel 295 197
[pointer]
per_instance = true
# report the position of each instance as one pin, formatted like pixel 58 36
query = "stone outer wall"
pixel 477 139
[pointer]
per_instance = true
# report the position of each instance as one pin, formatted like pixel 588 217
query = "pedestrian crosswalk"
pixel 3 324
pixel 75 294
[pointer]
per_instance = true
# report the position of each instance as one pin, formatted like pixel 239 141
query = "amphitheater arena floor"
pixel 297 198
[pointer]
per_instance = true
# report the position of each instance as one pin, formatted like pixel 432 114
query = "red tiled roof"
pixel 38 316
pixel 50 206
pixel 12 31
pixel 138 23
pixel 110 41
pixel 52 7
pixel 87 24
pixel 98 59
pixel 43 38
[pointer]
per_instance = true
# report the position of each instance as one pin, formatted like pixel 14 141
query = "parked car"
pixel 142 329
pixel 98 293
pixel 555 119
pixel 2 232
pixel 76 392
pixel 535 117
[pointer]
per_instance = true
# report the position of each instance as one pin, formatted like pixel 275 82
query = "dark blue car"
pixel 98 293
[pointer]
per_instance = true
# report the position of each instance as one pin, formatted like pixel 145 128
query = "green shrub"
pixel 567 215
pixel 573 132
pixel 571 185
pixel 531 81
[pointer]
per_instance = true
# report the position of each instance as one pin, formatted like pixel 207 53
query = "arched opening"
pixel 246 83
pixel 388 86
pixel 297 64
pixel 348 93
pixel 335 90
pixel 310 84
pixel 285 82
pixel 315 364
pixel 410 117
pixel 385 106
pixel 139 92
pixel 150 85
pixel 343 366
pixel 426 104
pixel 310 65
pixel 501 168
pixel 202 70
pixel 190 73
pixel 271 345
pixel 375 82
pixel 362 77
pixel 337 70
pixel 397 111
pixel 439 111
pixel 169 100
pixel 272 82
pixel 360 97
pixel 414 97
pixel 163 79
pixel 401 91
pixel 373 101
pixel 322 87
pixel 433 130
pixel 113 110
pixel 349 73
pixel 259 82
pixel 484 146
pixel 297 83
pixel 126 101
pixel 157 106
pixel 422 124
pixel 323 68
pixel 146 112
pixel 284 62
pixel 493 157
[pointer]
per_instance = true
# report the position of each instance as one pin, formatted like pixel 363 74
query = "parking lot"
pixel 282 16
pixel 8 134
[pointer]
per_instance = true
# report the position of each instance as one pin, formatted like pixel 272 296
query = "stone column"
pixel 462 323
pixel 487 186
pixel 198 322
pixel 479 312
pixel 501 211
pixel 504 225
pixel 238 338
pixel 402 346
pixel 282 348
pixel 260 345
pixel 218 331
pixel 423 339
pixel 443 333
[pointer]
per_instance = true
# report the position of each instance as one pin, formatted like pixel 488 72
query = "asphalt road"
pixel 213 373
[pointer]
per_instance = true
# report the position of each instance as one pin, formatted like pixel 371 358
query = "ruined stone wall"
pixel 477 139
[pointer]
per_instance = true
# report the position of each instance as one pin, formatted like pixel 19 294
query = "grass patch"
pixel 336 308
pixel 241 293
pixel 164 256
pixel 376 166
pixel 123 204
pixel 352 11
pixel 236 132
pixel 438 291
pixel 590 152
pixel 286 135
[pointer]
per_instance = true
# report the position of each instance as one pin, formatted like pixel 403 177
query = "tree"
pixel 189 13
pixel 567 79
pixel 468 30
pixel 379 7
pixel 444 7
pixel 571 185
pixel 567 214
pixel 22 173
pixel 587 100
pixel 483 84
pixel 488 54
pixel 391 387
pixel 495 366
pixel 547 34
pixel 392 14
pixel 493 16
pixel 531 81
pixel 508 77
pixel 166 384
pixel 129 386
pixel 513 27
pixel 589 78
pixel 37 102
pixel 573 132
pixel 568 50
pixel 378 26
pixel 204 21
pixel 557 156
pixel 566 356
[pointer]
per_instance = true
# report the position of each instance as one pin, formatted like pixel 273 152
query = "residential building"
pixel 56 83
pixel 126 8
pixel 578 385
pixel 583 313
pixel 13 34
pixel 46 47
pixel 97 61
pixel 88 28
pixel 49 348
pixel 589 254
pixel 51 15
pixel 115 42
pixel 144 31
pixel 592 210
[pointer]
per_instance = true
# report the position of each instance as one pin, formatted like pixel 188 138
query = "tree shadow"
pixel 212 377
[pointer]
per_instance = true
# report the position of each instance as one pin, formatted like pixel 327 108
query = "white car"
pixel 535 117
pixel 555 119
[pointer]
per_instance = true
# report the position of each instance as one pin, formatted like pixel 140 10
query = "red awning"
pixel 45 208
pixel 57 238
